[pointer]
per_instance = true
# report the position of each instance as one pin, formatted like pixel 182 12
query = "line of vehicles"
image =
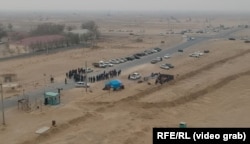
pixel 112 62
pixel 165 66
pixel 136 75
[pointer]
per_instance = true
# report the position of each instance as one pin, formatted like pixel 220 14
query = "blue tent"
pixel 115 84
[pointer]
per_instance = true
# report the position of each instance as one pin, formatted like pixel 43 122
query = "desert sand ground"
pixel 210 91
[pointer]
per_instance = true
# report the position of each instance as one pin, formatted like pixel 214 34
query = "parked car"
pixel 120 60
pixel 137 57
pixel 206 51
pixel 124 59
pixel 153 51
pixel 141 54
pixel 88 70
pixel 194 55
pixel 164 66
pixel 147 52
pixel 130 58
pixel 108 64
pixel 135 76
pixel 156 60
pixel 82 84
pixel 114 61
pixel 99 64
pixel 167 56
pixel 199 53
pixel 169 65
pixel 157 49
pixel 191 38
pixel 180 50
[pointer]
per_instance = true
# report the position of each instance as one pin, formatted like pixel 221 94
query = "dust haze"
pixel 209 52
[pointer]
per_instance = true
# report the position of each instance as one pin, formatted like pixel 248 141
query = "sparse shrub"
pixel 139 40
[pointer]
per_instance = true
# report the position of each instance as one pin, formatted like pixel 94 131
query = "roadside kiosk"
pixel 51 98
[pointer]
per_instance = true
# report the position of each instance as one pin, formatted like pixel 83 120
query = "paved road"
pixel 38 94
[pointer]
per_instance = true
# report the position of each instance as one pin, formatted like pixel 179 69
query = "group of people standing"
pixel 104 75
pixel 78 75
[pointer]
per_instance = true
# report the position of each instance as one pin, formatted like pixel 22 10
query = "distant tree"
pixel 48 29
pixel 72 39
pixel 69 28
pixel 2 31
pixel 91 26
pixel 10 26
pixel 139 40
pixel 32 47
pixel 16 36
pixel 87 37
pixel 94 32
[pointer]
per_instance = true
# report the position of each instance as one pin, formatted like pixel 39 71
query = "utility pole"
pixel 2 103
pixel 23 92
pixel 86 76
pixel 59 92
pixel 44 82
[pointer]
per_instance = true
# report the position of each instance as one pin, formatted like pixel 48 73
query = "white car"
pixel 81 84
pixel 156 60
pixel 88 70
pixel 124 60
pixel 120 60
pixel 167 56
pixel 199 53
pixel 163 66
pixel 114 61
pixel 194 55
pixel 135 76
pixel 154 51
pixel 108 64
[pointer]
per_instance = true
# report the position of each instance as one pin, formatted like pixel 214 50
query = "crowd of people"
pixel 104 75
pixel 78 75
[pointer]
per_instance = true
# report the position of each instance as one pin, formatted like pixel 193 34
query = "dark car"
pixel 147 52
pixel 136 56
pixel 141 54
pixel 130 58
pixel 157 49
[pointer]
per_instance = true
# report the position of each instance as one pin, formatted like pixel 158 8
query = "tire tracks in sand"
pixel 192 96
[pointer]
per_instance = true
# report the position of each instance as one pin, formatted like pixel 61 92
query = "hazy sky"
pixel 154 5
